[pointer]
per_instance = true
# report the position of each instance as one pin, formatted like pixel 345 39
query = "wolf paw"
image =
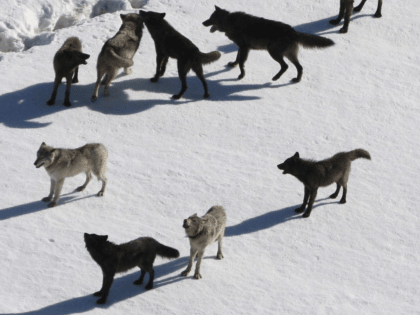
pixel 149 287
pixel 99 293
pixel 75 81
pixel 100 194
pixel 276 77
pixel 52 204
pixel 335 21
pixel 81 188
pixel 306 214
pixel 67 103
pixel 343 30
pixel 333 196
pixel 197 276
pixel 93 98
pixel 232 64
pixel 219 256
pixel 343 201
pixel 299 210
pixel 102 300
pixel 295 80
pixel 176 96
pixel 185 273
pixel 154 79
pixel 206 95
pixel 138 282
pixel 377 15
pixel 50 102
pixel 46 199
pixel 128 71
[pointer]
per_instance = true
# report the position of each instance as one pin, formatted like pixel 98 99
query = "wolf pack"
pixel 247 32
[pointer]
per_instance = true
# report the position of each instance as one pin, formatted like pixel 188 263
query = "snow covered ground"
pixel 169 159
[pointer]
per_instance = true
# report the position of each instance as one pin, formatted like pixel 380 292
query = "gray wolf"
pixel 170 43
pixel 346 9
pixel 202 232
pixel 63 163
pixel 118 52
pixel 66 64
pixel 313 174
pixel 251 32
pixel 113 258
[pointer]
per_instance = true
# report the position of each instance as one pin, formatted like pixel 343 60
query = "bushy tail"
pixel 119 61
pixel 313 41
pixel 209 57
pixel 167 252
pixel 359 153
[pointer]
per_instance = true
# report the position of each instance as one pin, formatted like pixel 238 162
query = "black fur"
pixel 66 63
pixel 251 32
pixel 346 9
pixel 114 258
pixel 170 43
pixel 313 174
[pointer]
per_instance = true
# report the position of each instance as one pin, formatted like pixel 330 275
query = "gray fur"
pixel 113 258
pixel 66 64
pixel 63 163
pixel 118 52
pixel 313 174
pixel 201 233
pixel 346 9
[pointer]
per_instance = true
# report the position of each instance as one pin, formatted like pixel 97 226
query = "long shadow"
pixel 19 108
pixel 121 289
pixel 36 206
pixel 323 26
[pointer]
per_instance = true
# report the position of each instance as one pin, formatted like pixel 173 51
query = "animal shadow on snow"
pixel 323 26
pixel 36 206
pixel 270 219
pixel 20 108
pixel 122 289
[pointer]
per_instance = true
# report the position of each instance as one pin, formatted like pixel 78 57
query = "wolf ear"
pixel 162 15
pixel 296 156
pixel 123 16
pixel 43 144
pixel 104 238
pixel 217 8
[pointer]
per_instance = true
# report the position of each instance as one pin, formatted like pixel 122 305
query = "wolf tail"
pixel 209 57
pixel 313 41
pixel 167 252
pixel 119 61
pixel 359 153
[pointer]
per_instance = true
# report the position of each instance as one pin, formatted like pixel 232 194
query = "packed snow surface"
pixel 170 159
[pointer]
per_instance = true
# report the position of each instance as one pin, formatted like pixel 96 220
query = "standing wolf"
pixel 118 52
pixel 202 232
pixel 66 63
pixel 346 9
pixel 114 258
pixel 313 174
pixel 62 163
pixel 250 32
pixel 170 43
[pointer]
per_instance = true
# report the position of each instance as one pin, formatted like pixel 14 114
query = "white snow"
pixel 169 159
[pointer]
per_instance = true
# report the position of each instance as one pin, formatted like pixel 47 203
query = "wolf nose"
pixel 185 224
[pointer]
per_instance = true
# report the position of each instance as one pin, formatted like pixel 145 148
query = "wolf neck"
pixel 201 232
pixel 104 251
pixel 302 170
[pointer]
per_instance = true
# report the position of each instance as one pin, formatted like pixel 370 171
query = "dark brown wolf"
pixel 251 32
pixel 170 43
pixel 114 258
pixel 313 174
pixel 346 9
pixel 66 64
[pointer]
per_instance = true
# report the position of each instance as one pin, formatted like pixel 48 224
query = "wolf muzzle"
pixel 185 225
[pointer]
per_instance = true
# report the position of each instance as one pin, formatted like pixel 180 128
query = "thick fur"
pixel 170 43
pixel 202 232
pixel 114 258
pixel 66 64
pixel 63 163
pixel 313 174
pixel 346 9
pixel 118 52
pixel 250 32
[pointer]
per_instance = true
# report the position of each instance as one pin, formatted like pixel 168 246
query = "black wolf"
pixel 114 258
pixel 66 63
pixel 251 32
pixel 313 174
pixel 170 43
pixel 346 9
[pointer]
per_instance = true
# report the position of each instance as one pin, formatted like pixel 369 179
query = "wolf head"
pixel 132 18
pixel 290 165
pixel 75 58
pixel 193 225
pixel 151 17
pixel 217 20
pixel 94 241
pixel 45 156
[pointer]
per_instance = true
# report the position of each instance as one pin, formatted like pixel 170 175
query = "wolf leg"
pixel 183 68
pixel 151 272
pixel 242 57
pixel 88 178
pixel 334 195
pixel 163 66
pixel 378 13
pixel 193 253
pixel 343 198
pixel 76 76
pixel 104 181
pixel 276 52
pixel 139 281
pixel 95 93
pixel 292 55
pixel 57 82
pixel 110 76
pixel 219 248
pixel 52 188
pixel 106 285
pixel 200 255
pixel 360 6
pixel 305 201
pixel 311 202
pixel 233 64
pixel 67 94
pixel 198 69
pixel 349 11
pixel 58 187
pixel 340 14
pixel 159 62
